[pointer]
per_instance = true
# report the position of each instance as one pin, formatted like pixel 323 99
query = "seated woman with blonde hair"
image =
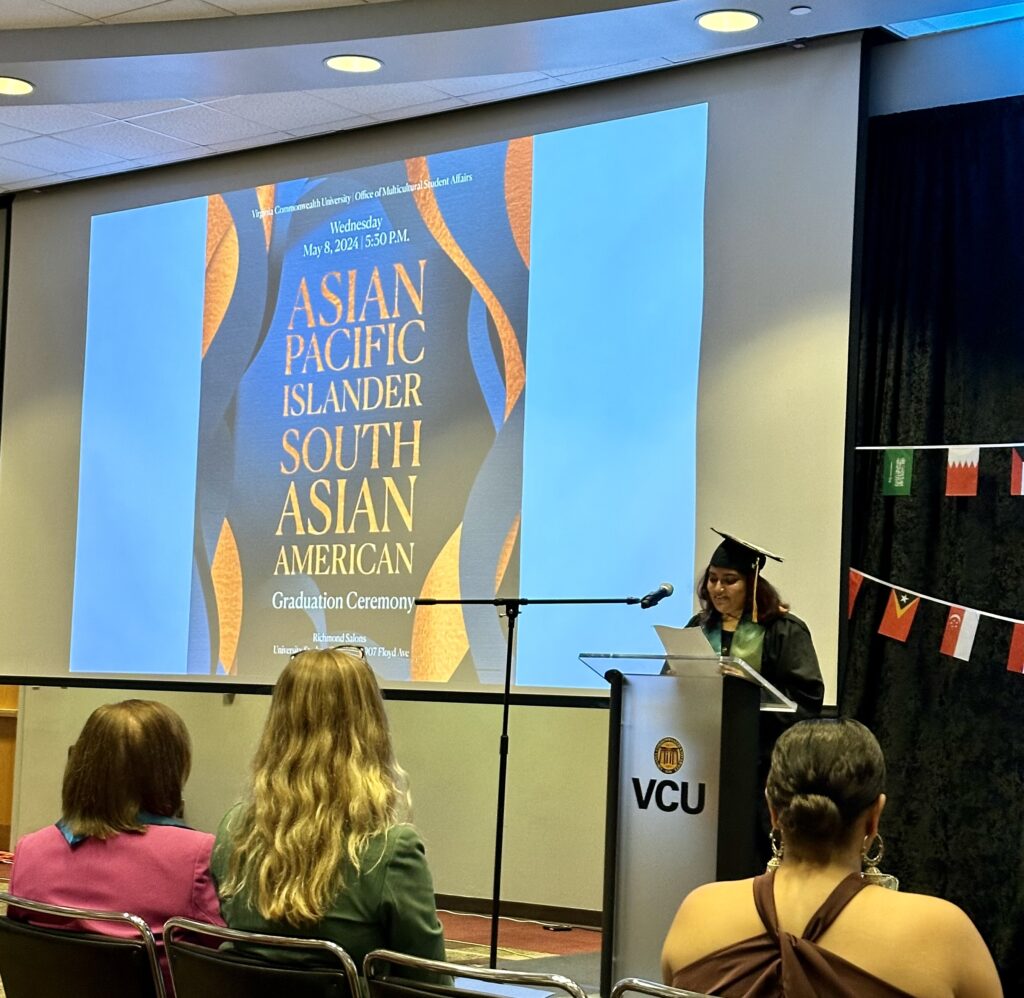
pixel 816 925
pixel 120 844
pixel 322 847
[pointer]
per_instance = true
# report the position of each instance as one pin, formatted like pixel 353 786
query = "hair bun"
pixel 812 816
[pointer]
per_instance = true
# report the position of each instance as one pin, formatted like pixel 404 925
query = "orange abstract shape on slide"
pixel 506 552
pixel 439 639
pixel 265 199
pixel 221 266
pixel 226 575
pixel 519 193
pixel 515 371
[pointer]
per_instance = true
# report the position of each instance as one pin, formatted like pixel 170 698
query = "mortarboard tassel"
pixel 753 599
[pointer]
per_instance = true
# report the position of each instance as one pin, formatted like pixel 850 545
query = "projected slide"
pixel 462 375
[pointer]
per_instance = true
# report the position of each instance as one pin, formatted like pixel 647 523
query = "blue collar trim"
pixel 143 818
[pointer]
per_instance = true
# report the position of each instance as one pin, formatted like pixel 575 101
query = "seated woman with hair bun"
pixel 819 922
pixel 120 844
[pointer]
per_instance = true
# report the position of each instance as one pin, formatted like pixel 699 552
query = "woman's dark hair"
pixel 769 603
pixel 131 756
pixel 824 774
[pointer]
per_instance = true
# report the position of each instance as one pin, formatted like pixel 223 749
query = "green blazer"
pixel 388 905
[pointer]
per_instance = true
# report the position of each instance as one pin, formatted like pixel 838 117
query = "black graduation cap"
pixel 742 556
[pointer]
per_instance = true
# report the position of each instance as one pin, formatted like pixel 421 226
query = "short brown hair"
pixel 131 756
pixel 824 775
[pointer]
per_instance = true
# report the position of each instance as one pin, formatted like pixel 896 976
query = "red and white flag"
pixel 1015 662
pixel 962 471
pixel 1017 471
pixel 856 578
pixel 899 615
pixel 958 637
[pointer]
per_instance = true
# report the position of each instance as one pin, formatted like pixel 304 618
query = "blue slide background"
pixel 616 294
pixel 140 419
pixel 615 300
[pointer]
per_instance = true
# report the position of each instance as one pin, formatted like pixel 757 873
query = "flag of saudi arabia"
pixel 897 469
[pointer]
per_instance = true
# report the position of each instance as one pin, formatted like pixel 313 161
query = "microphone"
pixel 654 598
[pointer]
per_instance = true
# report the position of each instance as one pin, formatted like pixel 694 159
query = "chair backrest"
pixel 636 985
pixel 208 960
pixel 390 975
pixel 59 958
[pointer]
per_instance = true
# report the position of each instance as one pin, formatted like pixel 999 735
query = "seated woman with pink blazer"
pixel 120 844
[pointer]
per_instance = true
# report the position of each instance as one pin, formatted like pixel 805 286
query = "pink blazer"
pixel 162 872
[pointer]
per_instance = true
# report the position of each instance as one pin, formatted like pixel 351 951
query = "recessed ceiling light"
pixel 728 20
pixel 10 86
pixel 799 11
pixel 353 63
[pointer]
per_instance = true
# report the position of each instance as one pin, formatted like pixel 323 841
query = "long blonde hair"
pixel 324 783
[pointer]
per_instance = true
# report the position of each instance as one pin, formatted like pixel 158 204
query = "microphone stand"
pixel 512 606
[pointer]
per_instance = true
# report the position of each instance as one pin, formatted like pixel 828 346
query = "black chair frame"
pixel 59 949
pixel 631 985
pixel 382 982
pixel 196 950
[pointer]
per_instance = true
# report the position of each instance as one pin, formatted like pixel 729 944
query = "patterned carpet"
pixel 572 951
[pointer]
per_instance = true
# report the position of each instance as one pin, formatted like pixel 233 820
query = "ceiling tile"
pixel 377 98
pixel 615 70
pixel 202 125
pixel 522 90
pixel 99 9
pixel 419 110
pixel 270 139
pixel 341 125
pixel 460 86
pixel 8 134
pixel 197 152
pixel 125 140
pixel 55 156
pixel 99 171
pixel 168 10
pixel 47 119
pixel 135 108
pixel 11 172
pixel 38 14
pixel 278 6
pixel 282 112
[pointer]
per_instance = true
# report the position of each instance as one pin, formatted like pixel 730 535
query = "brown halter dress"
pixel 781 964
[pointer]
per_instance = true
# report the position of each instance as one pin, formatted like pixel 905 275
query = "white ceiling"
pixel 127 84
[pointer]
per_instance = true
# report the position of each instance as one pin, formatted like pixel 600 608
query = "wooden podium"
pixel 682 792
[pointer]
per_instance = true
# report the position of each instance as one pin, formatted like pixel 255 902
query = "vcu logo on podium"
pixel 668 755
pixel 669 795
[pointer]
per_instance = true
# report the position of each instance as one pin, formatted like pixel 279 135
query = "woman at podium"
pixel 743 617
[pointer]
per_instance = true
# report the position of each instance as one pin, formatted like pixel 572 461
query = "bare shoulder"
pixel 916 912
pixel 710 917
pixel 947 942
pixel 716 903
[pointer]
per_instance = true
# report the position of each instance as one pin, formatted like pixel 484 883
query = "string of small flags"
pixel 961 468
pixel 961 622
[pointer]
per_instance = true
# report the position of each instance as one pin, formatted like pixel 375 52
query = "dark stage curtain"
pixel 939 355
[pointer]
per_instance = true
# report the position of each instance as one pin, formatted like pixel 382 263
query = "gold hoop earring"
pixel 869 864
pixel 775 839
